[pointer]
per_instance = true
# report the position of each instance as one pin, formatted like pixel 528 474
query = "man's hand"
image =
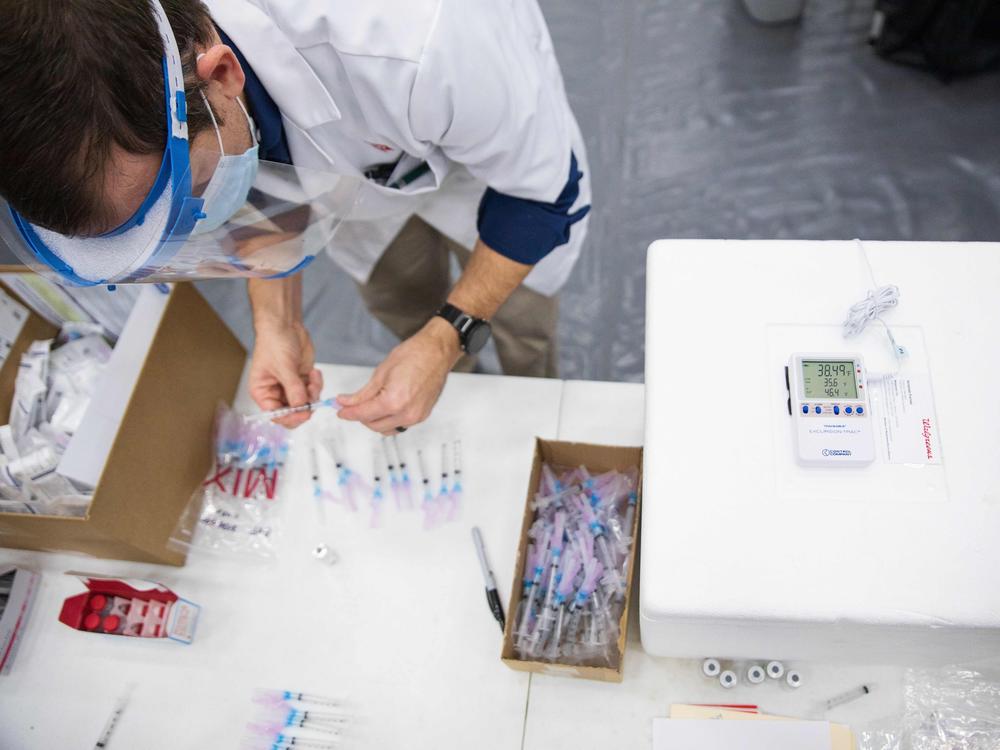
pixel 282 371
pixel 404 388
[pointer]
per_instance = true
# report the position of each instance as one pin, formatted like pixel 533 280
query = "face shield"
pixel 207 215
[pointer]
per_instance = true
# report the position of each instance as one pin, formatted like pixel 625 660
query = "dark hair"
pixel 77 77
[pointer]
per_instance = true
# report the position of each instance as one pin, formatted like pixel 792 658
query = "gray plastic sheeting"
pixel 702 123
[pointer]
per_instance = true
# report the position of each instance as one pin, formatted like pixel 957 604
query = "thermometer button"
pixel 819 409
pixel 836 409
pixel 861 410
pixel 848 409
pixel 805 408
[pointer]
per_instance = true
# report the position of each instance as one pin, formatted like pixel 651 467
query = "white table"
pixel 399 627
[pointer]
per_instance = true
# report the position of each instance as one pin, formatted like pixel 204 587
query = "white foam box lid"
pixel 739 557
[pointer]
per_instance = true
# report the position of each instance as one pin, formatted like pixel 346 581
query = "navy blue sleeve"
pixel 526 231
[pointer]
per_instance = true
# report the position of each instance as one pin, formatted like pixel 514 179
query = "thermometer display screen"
pixel 829 379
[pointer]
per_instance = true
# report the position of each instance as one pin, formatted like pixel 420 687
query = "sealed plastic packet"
pixel 953 708
pixel 235 511
pixel 576 566
pixel 52 392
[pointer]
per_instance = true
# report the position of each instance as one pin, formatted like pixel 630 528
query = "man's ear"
pixel 218 63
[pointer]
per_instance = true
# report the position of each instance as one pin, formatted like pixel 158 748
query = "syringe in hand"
pixel 267 416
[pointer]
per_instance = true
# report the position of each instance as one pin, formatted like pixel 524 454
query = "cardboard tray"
pixel 597 458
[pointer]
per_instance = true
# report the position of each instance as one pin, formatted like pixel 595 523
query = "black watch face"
pixel 476 337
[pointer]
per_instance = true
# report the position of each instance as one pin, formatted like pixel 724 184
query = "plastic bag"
pixel 952 709
pixel 236 509
pixel 576 568
pixel 52 393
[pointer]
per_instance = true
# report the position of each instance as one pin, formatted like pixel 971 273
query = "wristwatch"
pixel 473 333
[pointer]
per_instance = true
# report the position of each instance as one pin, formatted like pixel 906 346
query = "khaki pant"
pixel 412 280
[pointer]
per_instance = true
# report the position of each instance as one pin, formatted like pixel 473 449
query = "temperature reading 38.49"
pixel 825 379
pixel 835 369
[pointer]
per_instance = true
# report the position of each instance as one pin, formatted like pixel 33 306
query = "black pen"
pixel 491 585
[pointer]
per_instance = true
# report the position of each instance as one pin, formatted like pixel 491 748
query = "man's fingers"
pixel 267 398
pixel 268 402
pixel 369 391
pixel 293 420
pixel 371 410
pixel 315 386
pixel 296 392
pixel 386 425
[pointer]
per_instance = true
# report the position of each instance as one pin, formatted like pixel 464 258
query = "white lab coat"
pixel 472 87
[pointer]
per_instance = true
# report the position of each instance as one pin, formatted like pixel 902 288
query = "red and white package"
pixel 130 607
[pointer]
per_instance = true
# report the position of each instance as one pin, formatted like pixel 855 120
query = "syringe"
pixel 847 697
pixel 267 416
pixel 109 726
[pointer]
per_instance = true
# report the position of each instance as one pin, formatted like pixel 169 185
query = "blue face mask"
pixel 230 185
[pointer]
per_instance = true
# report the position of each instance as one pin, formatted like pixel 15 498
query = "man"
pixel 451 112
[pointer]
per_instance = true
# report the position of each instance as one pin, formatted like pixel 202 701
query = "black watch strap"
pixel 473 333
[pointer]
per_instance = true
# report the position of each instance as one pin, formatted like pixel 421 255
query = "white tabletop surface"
pixel 399 628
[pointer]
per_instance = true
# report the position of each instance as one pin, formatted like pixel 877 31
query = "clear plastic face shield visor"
pixel 208 214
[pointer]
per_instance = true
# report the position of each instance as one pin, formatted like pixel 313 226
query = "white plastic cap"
pixel 794 679
pixel 755 674
pixel 775 670
pixel 711 667
pixel 728 679
pixel 324 554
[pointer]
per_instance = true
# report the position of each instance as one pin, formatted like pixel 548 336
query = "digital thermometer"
pixel 831 420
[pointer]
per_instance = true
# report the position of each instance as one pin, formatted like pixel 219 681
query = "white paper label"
pixel 13 316
pixel 905 419
pixel 183 620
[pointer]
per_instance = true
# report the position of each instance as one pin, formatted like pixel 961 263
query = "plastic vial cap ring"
pixel 755 674
pixel 324 554
pixel 111 622
pixel 98 602
pixel 727 679
pixel 711 667
pixel 794 679
pixel 775 670
pixel 92 621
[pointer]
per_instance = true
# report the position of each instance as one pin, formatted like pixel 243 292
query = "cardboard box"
pixel 154 425
pixel 597 459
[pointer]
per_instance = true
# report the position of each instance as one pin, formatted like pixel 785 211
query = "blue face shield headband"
pixel 160 225
pixel 236 217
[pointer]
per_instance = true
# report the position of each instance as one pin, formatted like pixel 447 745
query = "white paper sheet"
pixel 906 421
pixel 714 734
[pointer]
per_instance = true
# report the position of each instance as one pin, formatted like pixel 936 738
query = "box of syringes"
pixel 595 460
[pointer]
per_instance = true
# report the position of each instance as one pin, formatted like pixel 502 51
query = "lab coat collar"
pixel 288 78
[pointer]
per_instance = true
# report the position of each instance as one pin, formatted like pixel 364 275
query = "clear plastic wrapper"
pixel 52 392
pixel 576 566
pixel 30 388
pixel 951 709
pixel 237 507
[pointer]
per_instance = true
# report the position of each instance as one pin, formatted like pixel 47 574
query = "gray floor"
pixel 701 123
